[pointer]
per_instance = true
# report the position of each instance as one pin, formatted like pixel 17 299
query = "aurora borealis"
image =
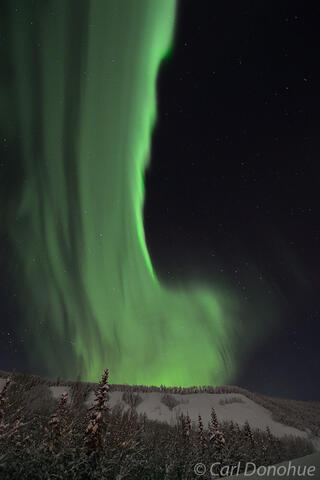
pixel 85 96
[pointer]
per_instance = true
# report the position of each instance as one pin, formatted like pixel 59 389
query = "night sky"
pixel 232 186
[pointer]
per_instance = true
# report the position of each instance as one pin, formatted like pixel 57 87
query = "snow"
pixel 57 391
pixel 195 404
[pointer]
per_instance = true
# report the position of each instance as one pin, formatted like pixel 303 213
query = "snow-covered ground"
pixel 59 390
pixel 195 404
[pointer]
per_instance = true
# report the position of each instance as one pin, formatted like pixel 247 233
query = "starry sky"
pixel 232 186
pixel 237 196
